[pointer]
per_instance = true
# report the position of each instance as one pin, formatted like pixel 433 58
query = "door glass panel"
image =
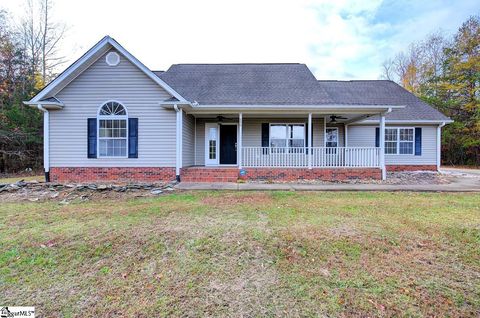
pixel 212 143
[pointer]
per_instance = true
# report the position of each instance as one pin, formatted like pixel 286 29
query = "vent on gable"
pixel 112 59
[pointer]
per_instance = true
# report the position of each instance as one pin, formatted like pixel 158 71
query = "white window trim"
pixel 112 117
pixel 286 124
pixel 325 137
pixel 398 142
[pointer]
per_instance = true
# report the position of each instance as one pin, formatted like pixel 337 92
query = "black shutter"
pixel 265 137
pixel 92 138
pixel 418 141
pixel 377 137
pixel 133 138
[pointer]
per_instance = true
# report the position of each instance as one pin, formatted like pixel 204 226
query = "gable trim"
pixel 107 40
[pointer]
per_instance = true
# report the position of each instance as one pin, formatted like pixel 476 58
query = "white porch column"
pixel 382 146
pixel 240 140
pixel 179 141
pixel 309 140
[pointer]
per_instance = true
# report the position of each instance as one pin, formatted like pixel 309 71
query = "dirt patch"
pixel 229 199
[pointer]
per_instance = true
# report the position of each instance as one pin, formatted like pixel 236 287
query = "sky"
pixel 337 39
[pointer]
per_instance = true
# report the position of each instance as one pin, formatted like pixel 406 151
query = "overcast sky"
pixel 337 39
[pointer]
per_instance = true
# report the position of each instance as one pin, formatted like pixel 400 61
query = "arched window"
pixel 112 130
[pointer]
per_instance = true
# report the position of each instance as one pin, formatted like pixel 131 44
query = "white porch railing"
pixel 361 157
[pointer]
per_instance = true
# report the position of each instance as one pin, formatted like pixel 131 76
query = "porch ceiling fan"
pixel 220 119
pixel 333 118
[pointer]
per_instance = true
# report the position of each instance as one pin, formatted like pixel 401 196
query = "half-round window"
pixel 113 108
pixel 112 130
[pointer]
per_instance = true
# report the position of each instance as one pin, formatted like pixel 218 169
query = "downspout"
pixel 178 156
pixel 46 141
pixel 439 145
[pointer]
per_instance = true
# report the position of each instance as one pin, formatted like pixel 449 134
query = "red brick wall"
pixel 325 174
pixel 397 168
pixel 124 174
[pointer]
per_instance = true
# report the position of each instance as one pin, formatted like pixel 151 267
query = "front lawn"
pixel 245 254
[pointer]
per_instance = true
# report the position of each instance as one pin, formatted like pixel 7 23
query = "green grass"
pixel 245 254
pixel 25 178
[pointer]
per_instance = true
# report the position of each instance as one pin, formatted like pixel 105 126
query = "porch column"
pixel 310 141
pixel 240 142
pixel 382 146
pixel 179 141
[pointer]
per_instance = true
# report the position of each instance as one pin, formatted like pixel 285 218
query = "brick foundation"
pixel 397 168
pixel 325 174
pixel 120 174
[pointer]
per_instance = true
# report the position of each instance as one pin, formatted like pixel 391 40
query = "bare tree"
pixel 51 34
pixel 42 37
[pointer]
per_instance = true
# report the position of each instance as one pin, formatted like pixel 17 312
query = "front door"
pixel 228 144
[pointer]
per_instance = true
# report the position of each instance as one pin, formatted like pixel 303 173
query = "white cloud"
pixel 337 39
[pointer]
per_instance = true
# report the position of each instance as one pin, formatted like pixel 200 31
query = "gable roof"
pixel 75 69
pixel 243 84
pixel 382 92
pixel 289 84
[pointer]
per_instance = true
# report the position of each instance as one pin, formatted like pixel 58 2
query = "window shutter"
pixel 92 138
pixel 133 138
pixel 377 137
pixel 265 137
pixel 418 141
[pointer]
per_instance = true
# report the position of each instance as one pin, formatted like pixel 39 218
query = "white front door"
pixel 211 144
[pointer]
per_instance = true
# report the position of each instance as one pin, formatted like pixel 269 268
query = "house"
pixel 109 117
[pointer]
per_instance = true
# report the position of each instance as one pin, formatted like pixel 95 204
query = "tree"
pixel 446 74
pixel 28 59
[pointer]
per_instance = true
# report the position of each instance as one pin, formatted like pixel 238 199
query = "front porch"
pixel 278 146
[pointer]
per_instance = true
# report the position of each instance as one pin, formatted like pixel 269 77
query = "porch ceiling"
pixel 348 117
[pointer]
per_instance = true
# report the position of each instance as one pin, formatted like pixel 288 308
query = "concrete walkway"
pixel 462 183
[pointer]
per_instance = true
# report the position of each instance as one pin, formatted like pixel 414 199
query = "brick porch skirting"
pixel 325 174
pixel 122 174
pixel 397 168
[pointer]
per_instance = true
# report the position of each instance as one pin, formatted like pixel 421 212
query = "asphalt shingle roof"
pixel 288 84
pixel 382 92
pixel 254 84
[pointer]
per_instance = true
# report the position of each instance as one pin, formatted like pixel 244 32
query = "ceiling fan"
pixel 220 119
pixel 333 118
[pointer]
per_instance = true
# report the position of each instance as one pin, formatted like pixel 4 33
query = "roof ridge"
pixel 346 81
pixel 280 63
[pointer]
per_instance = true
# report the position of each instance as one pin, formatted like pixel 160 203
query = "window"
pixel 287 135
pixel 112 130
pixel 399 141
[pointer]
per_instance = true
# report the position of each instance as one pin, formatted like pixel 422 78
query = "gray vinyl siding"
pixel 188 151
pixel 252 133
pixel 137 92
pixel 200 142
pixel 364 136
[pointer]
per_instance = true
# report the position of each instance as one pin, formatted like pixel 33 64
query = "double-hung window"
pixel 399 141
pixel 288 136
pixel 112 130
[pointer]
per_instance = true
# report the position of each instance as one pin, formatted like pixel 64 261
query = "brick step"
pixel 200 174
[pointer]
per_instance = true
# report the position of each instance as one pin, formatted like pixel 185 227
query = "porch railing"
pixel 361 157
